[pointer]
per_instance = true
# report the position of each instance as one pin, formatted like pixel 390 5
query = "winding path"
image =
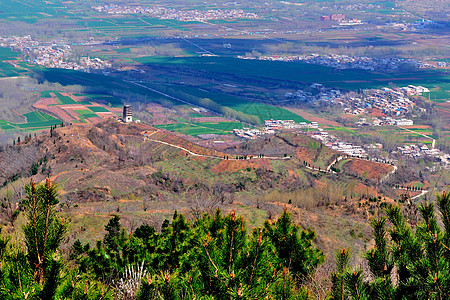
pixel 212 156
pixel 423 192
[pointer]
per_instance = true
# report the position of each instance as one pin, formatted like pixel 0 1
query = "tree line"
pixel 215 256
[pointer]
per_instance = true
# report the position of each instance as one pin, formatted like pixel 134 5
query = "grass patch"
pixel 86 113
pixel 64 99
pixel 196 129
pixel 98 109
pixel 6 125
pixel 36 120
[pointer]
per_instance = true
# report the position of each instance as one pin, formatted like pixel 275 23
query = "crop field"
pixel 130 25
pixel 98 109
pixel 196 129
pixel 7 53
pixel 36 120
pixel 106 99
pixel 421 134
pixel 70 77
pixel 64 99
pixel 30 11
pixel 86 113
pixel 262 110
pixel 437 81
pixel 6 69
pixel 6 125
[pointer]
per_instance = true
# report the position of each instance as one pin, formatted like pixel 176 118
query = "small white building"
pixel 404 122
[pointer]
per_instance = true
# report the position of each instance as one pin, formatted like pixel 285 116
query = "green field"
pixel 437 81
pixel 195 129
pixel 7 70
pixel 98 109
pixel 31 11
pixel 6 125
pixel 64 99
pixel 7 53
pixel 132 26
pixel 36 120
pixel 86 113
pixel 106 99
pixel 46 94
pixel 263 111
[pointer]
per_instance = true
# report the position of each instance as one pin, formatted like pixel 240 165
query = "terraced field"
pixel 36 120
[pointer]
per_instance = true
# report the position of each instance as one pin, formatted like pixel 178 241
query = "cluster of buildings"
pixel 249 133
pixel 414 26
pixel 421 150
pixel 335 17
pixel 161 12
pixel 410 90
pixel 351 22
pixel 287 124
pixel 270 127
pixel 334 143
pixel 325 95
pixel 385 121
pixel 416 150
pixel 360 6
pixel 350 62
pixel 52 54
pixel 390 102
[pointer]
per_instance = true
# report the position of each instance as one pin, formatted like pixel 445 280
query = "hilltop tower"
pixel 127 114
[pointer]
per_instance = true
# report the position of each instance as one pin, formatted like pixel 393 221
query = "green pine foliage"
pixel 406 262
pixel 39 271
pixel 294 246
pixel 213 257
pixel 44 230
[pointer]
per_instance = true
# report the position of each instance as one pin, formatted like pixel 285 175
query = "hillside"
pixel 143 174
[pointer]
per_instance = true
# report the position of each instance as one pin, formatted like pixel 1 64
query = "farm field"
pixel 196 128
pixel 73 107
pixel 53 107
pixel 31 11
pixel 36 120
pixel 62 99
pixel 437 81
pixel 131 26
pixel 7 69
pixel 262 110
pixel 86 113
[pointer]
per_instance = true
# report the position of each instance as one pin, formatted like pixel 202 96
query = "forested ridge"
pixel 216 256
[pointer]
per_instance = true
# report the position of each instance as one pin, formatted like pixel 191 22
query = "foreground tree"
pixel 406 262
pixel 213 257
pixel 40 272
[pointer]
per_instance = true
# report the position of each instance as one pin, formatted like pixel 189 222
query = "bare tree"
pixel 200 202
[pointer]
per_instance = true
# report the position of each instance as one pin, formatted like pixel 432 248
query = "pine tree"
pixel 294 246
pixel 407 263
pixel 338 291
pixel 112 233
pixel 44 230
